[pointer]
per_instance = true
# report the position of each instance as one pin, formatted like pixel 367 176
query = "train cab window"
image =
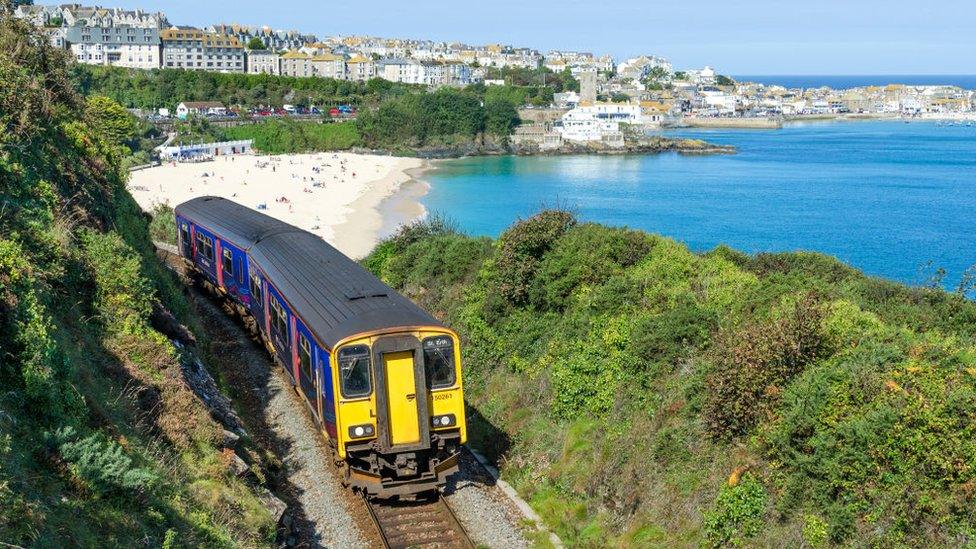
pixel 184 234
pixel 256 289
pixel 354 378
pixel 229 262
pixel 278 321
pixel 305 356
pixel 439 361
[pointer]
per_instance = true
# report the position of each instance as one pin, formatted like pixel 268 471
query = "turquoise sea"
pixel 894 199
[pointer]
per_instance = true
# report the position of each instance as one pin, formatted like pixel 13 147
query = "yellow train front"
pixel 400 409
pixel 380 376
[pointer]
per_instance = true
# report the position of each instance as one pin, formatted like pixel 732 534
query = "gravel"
pixel 488 516
pixel 321 512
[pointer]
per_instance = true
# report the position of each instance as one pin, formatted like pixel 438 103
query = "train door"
pixel 401 393
pixel 307 379
pixel 186 243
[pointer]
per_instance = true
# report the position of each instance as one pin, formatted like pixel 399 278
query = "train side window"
pixel 229 262
pixel 278 321
pixel 205 246
pixel 354 378
pixel 439 362
pixel 201 243
pixel 256 288
pixel 305 356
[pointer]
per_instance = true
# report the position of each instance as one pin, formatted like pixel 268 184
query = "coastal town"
pixel 615 98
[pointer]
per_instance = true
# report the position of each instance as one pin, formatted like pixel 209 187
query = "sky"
pixel 735 37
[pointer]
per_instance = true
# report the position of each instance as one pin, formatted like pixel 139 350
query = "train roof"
pixel 334 295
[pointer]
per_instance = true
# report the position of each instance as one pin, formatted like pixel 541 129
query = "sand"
pixel 350 200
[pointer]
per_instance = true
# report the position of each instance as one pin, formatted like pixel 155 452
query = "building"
pixel 194 49
pixel 263 62
pixel 587 81
pixel 275 40
pixel 360 68
pixel 601 122
pixel 637 68
pixel 455 73
pixel 70 15
pixel 118 46
pixel 295 63
pixel 204 151
pixel 190 108
pixel 328 65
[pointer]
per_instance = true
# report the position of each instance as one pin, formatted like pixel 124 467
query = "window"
pixel 439 361
pixel 305 357
pixel 184 234
pixel 205 246
pixel 229 262
pixel 256 288
pixel 279 321
pixel 354 378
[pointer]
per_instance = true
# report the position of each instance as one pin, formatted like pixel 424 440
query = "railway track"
pixel 428 524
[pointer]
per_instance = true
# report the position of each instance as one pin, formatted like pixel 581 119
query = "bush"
pixel 124 297
pixel 521 248
pixel 102 464
pixel 737 514
pixel 162 227
pixel 290 136
pixel 755 363
pixel 586 255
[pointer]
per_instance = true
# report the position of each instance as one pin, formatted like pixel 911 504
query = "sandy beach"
pixel 350 200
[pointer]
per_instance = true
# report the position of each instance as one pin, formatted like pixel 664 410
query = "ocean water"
pixel 896 200
pixel 838 82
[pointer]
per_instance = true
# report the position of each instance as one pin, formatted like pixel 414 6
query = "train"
pixel 380 376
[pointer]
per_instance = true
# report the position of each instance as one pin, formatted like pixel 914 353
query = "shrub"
pixel 737 513
pixel 124 296
pixel 521 248
pixel 587 254
pixel 162 227
pixel 102 464
pixel 755 363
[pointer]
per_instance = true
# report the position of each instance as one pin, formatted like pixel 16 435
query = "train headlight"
pixel 360 431
pixel 445 420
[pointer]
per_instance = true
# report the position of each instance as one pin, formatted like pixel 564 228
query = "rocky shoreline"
pixel 485 147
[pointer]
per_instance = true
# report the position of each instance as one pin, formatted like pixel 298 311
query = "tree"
pixel 109 119
pixel 722 80
pixel 255 44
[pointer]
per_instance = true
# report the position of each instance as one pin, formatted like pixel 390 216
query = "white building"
pixel 600 122
pixel 119 46
pixel 263 62
pixel 193 49
pixel 201 151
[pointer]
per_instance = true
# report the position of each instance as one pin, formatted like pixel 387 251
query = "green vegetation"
pixel 638 394
pixel 101 442
pixel 135 88
pixel 274 136
pixel 393 116
pixel 444 117
pixel 289 136
pixel 255 44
